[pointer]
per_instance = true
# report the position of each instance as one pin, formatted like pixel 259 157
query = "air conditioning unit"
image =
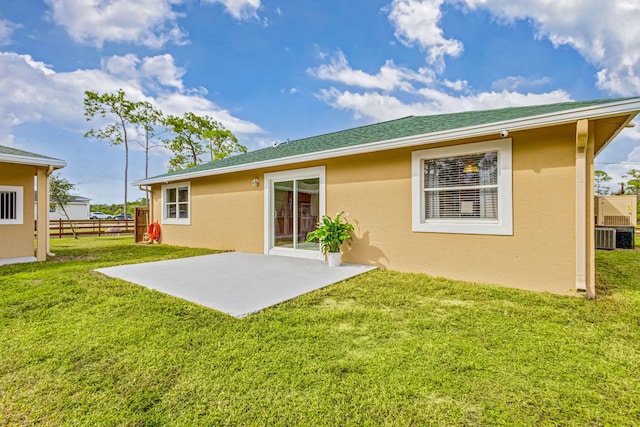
pixel 624 238
pixel 605 238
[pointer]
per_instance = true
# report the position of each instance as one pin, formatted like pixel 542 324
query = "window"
pixel 11 200
pixel 176 204
pixel 463 189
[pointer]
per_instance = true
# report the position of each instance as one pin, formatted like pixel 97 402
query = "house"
pixel 501 196
pixel 77 209
pixel 20 173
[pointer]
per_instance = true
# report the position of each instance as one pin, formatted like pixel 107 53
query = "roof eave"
pixel 626 123
pixel 630 106
pixel 33 161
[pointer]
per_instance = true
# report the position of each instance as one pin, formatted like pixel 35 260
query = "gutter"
pixel 552 119
pixel 33 161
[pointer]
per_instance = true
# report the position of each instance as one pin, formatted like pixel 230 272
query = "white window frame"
pixel 176 221
pixel 503 225
pixel 19 219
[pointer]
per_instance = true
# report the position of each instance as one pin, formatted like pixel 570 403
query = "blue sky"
pixel 272 70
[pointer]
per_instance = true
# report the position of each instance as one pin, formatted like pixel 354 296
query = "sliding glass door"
pixel 296 203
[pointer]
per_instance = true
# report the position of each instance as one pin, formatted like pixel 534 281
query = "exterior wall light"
pixel 255 182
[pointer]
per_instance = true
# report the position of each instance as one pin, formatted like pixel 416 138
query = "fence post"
pixel 59 228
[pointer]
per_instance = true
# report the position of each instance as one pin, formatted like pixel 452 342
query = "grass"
pixel 384 348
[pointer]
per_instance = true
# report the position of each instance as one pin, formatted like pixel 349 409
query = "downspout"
pixel 590 231
pixel 584 269
pixel 48 198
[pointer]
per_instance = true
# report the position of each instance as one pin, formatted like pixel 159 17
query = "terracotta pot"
pixel 333 258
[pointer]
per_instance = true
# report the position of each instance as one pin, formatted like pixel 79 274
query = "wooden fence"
pixel 91 227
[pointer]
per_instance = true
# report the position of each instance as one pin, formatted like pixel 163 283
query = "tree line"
pixel 630 185
pixel 118 208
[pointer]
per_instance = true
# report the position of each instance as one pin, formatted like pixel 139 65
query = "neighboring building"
pixel 78 208
pixel 20 173
pixel 502 196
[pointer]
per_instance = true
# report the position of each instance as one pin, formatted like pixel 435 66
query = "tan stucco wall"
pixel 16 241
pixel 375 188
pixel 226 213
pixel 539 255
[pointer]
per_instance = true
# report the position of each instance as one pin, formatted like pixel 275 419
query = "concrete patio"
pixel 235 283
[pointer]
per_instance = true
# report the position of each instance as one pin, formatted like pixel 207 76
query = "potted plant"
pixel 331 234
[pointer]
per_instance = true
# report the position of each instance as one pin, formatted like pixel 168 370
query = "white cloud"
pixel 396 92
pixel 156 72
pixel 240 9
pixel 441 102
pixel 6 31
pixel 150 23
pixel 390 77
pixel 372 105
pixel 517 82
pixel 380 107
pixel 34 92
pixel 458 85
pixel 605 33
pixel 417 21
pixel 178 103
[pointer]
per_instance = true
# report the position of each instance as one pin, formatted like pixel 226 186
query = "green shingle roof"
pixel 404 127
pixel 15 152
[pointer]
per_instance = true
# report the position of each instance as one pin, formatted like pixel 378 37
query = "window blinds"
pixel 464 187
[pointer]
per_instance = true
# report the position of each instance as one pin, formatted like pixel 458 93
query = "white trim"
pixel 175 221
pixel 631 106
pixel 502 226
pixel 8 261
pixel 293 174
pixel 32 161
pixel 19 220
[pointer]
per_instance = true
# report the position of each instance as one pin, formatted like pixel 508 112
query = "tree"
pixel 60 196
pixel 147 117
pixel 193 136
pixel 632 186
pixel 601 178
pixel 116 132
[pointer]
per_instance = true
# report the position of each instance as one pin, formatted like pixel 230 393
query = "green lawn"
pixel 385 348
